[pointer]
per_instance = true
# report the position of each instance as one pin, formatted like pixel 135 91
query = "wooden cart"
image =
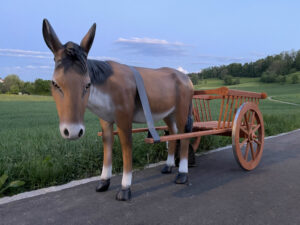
pixel 239 117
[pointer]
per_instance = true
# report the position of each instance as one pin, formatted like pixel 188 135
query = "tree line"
pixel 269 69
pixel 14 85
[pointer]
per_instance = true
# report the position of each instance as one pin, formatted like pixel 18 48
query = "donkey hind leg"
pixel 170 163
pixel 108 140
pixel 125 136
pixel 182 121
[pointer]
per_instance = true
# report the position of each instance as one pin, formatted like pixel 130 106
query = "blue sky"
pixel 189 34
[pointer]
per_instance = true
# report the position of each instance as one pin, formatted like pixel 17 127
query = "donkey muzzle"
pixel 71 131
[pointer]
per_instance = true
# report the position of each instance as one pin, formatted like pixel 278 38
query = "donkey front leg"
pixel 125 136
pixel 108 140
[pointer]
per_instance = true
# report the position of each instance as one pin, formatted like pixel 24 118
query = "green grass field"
pixel 32 150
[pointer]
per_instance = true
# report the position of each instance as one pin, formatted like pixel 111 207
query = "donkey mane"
pixel 99 71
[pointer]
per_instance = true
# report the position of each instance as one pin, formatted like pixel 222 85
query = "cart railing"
pixel 231 100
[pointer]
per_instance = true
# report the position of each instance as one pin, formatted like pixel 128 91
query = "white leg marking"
pixel 106 172
pixel 167 144
pixel 183 166
pixel 126 180
pixel 170 160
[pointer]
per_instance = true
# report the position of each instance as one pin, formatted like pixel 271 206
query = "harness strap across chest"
pixel 145 104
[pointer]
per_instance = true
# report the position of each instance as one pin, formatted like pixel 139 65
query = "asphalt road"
pixel 220 193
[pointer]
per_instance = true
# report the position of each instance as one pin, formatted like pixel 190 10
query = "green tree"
pixel 297 61
pixel 42 87
pixel 12 84
pixel 194 78
pixel 28 88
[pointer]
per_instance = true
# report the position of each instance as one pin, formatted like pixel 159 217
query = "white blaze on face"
pixel 71 130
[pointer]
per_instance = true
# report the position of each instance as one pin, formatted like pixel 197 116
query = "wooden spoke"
pixel 243 142
pixel 246 151
pixel 252 151
pixel 244 130
pixel 257 141
pixel 256 128
pixel 246 121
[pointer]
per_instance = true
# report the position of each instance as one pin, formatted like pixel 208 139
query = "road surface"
pixel 219 193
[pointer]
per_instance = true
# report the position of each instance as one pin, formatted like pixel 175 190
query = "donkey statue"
pixel 108 89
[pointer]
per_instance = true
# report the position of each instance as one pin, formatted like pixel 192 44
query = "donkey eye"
pixel 88 86
pixel 55 84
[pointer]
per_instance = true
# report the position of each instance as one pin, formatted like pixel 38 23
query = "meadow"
pixel 32 150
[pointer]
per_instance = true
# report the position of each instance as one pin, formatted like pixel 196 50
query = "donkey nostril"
pixel 66 132
pixel 80 133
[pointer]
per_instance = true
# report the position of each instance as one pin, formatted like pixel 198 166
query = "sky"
pixel 187 35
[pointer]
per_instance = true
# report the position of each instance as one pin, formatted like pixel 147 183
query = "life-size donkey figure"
pixel 109 90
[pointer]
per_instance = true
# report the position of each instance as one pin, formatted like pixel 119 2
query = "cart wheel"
pixel 248 136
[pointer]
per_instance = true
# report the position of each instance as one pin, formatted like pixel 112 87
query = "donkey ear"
pixel 50 37
pixel 87 41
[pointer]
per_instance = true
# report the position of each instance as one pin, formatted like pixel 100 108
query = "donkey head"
pixel 71 81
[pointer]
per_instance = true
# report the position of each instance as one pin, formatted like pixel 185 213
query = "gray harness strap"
pixel 145 104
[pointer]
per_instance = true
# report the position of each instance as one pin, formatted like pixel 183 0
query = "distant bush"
pixel 295 79
pixel 228 80
pixel 281 79
pixel 268 78
pixel 237 81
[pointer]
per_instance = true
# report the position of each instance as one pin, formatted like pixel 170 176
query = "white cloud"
pixel 180 68
pixel 104 58
pixel 148 41
pixel 152 46
pixel 25 53
pixel 30 67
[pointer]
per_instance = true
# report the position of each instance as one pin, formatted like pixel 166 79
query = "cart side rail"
pixel 231 101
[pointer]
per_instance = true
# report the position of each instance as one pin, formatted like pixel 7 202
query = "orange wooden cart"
pixel 239 117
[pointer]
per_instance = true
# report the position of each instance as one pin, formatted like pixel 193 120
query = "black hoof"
pixel 103 185
pixel 167 169
pixel 182 178
pixel 124 194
